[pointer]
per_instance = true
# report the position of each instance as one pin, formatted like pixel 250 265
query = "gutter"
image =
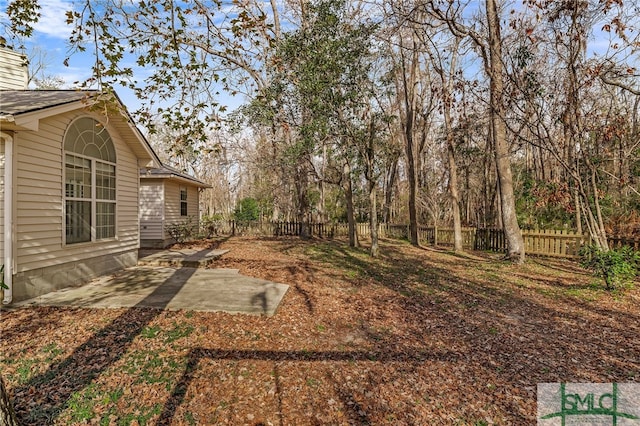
pixel 8 217
pixel 8 118
pixel 193 182
pixel 177 177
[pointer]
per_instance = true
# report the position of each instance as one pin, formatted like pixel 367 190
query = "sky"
pixel 50 40
pixel 51 35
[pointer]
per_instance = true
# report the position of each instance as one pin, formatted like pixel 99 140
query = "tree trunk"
pixel 413 183
pixel 590 219
pixel 348 194
pixel 602 232
pixel 447 86
pixel 371 181
pixel 303 200
pixel 7 415
pixel 576 202
pixel 390 182
pixel 408 88
pixel 373 219
pixel 453 185
pixel 513 236
pixel 322 210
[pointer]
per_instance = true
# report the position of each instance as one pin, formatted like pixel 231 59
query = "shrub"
pixel 616 266
pixel 211 225
pixel 247 210
pixel 182 231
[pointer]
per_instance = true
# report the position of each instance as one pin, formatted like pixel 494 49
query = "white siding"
pixel 172 203
pixel 40 199
pixel 151 230
pixel 193 205
pixel 151 209
pixel 13 71
pixel 151 200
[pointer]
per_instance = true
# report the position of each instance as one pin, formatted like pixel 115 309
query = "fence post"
pixel 475 239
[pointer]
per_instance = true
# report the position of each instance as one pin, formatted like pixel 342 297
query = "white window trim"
pixel 185 201
pixel 93 198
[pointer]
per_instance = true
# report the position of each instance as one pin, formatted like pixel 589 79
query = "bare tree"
pixel 446 69
pixel 493 67
pixel 490 48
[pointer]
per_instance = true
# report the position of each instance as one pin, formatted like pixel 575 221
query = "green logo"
pixel 588 403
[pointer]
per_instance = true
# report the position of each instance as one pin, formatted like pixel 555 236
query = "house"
pixel 69 184
pixel 167 197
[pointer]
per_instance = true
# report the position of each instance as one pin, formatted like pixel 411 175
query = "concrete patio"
pixel 172 288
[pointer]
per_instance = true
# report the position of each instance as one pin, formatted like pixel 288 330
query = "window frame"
pixel 184 202
pixel 92 198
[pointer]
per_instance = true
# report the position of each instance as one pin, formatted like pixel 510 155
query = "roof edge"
pixel 165 172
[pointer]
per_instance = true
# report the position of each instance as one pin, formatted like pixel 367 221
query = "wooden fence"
pixel 444 236
pixel 278 229
pixel 543 242
pixel 615 242
pixel 554 243
pixel 540 242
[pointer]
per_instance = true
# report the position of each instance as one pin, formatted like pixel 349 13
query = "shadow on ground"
pixel 54 387
pixel 476 323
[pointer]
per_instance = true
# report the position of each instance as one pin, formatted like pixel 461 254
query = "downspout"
pixel 8 216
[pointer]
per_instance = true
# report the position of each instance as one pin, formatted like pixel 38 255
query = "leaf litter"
pixel 418 336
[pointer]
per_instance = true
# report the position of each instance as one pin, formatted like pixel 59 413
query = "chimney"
pixel 13 69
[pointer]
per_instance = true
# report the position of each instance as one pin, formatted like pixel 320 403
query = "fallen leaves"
pixel 415 337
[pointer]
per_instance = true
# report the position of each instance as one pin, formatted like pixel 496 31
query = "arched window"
pixel 90 182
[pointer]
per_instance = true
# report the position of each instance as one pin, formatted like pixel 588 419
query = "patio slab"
pixel 184 288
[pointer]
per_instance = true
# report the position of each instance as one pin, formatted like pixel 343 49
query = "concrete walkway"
pixel 186 288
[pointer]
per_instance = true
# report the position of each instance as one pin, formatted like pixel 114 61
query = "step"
pixel 189 258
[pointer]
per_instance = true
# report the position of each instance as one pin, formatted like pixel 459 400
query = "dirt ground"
pixel 420 336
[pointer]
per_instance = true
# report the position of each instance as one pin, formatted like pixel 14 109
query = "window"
pixel 183 201
pixel 90 182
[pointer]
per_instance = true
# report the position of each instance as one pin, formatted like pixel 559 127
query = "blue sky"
pixel 51 37
pixel 52 34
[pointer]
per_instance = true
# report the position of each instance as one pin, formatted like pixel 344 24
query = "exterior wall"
pixel 40 252
pixel 13 70
pixel 152 213
pixel 39 281
pixel 2 160
pixel 193 206
pixel 160 206
pixel 172 202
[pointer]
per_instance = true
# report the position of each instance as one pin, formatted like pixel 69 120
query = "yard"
pixel 420 336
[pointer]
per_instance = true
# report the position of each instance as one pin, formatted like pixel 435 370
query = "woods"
pixel 432 113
